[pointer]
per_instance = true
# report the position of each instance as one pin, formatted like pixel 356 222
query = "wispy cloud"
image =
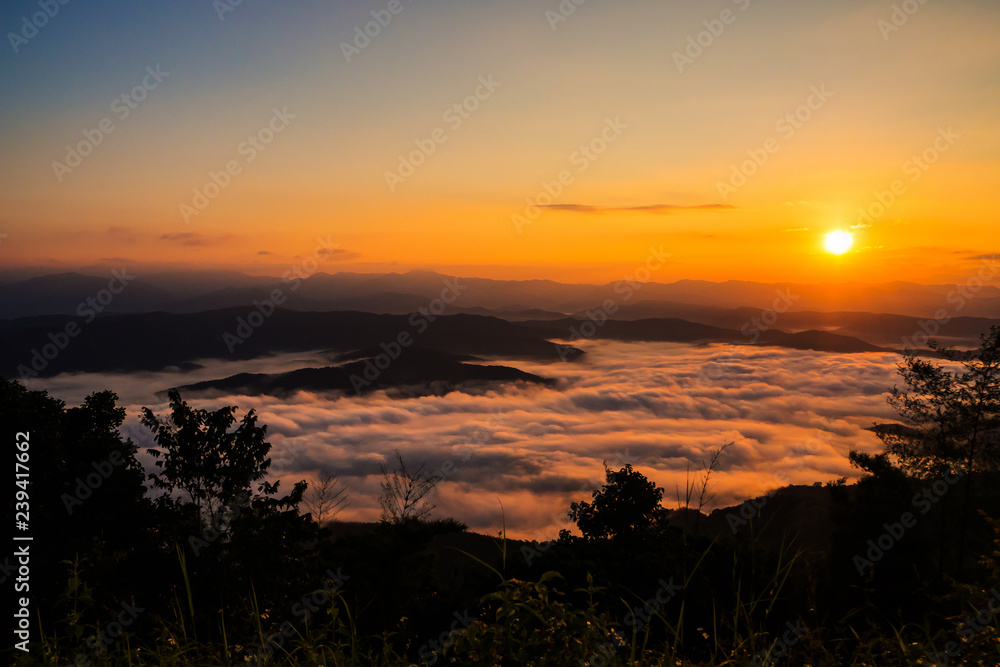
pixel 122 233
pixel 340 254
pixel 648 208
pixel 193 239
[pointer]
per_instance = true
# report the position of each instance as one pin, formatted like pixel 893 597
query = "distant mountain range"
pixel 682 331
pixel 69 323
pixel 394 293
pixel 160 341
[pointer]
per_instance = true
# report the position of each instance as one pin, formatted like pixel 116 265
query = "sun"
pixel 838 242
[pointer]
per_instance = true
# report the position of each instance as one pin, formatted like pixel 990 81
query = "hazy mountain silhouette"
pixel 682 331
pixel 66 293
pixel 397 293
pixel 156 341
pixel 876 328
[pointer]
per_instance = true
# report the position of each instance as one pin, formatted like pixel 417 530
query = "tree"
pixel 325 500
pixel 86 495
pixel 403 492
pixel 201 455
pixel 952 416
pixel 627 504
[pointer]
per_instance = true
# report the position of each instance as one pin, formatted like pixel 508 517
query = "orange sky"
pixel 532 95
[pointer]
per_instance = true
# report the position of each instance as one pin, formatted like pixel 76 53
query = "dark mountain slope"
pixel 416 372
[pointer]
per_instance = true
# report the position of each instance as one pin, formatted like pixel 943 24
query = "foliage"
pixel 952 410
pixel 627 504
pixel 526 623
pixel 201 456
pixel 643 586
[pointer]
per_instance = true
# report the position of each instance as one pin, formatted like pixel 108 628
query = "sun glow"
pixel 838 242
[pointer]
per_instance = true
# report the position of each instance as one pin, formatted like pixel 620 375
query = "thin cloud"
pixel 339 254
pixel 191 239
pixel 122 233
pixel 649 208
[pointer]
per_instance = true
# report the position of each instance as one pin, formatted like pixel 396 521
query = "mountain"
pixel 73 293
pixel 157 341
pixel 416 372
pixel 399 293
pixel 682 331
pixel 876 328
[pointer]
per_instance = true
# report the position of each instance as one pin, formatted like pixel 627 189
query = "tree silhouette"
pixel 403 492
pixel 627 504
pixel 201 455
pixel 326 499
pixel 952 415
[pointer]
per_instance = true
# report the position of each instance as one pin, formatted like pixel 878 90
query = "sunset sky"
pixel 880 96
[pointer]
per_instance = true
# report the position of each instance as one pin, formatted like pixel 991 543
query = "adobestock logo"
pixel 88 309
pixel 122 107
pixel 31 25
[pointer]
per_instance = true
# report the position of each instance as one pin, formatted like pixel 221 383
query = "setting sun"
pixel 838 242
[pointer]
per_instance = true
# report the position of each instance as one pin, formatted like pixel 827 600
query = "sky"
pixel 736 134
pixel 792 416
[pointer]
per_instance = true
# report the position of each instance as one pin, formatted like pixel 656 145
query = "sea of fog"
pixel 793 416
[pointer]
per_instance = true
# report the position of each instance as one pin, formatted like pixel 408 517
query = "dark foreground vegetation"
pixel 214 565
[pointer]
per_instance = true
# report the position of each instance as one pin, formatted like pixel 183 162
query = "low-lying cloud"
pixel 793 415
